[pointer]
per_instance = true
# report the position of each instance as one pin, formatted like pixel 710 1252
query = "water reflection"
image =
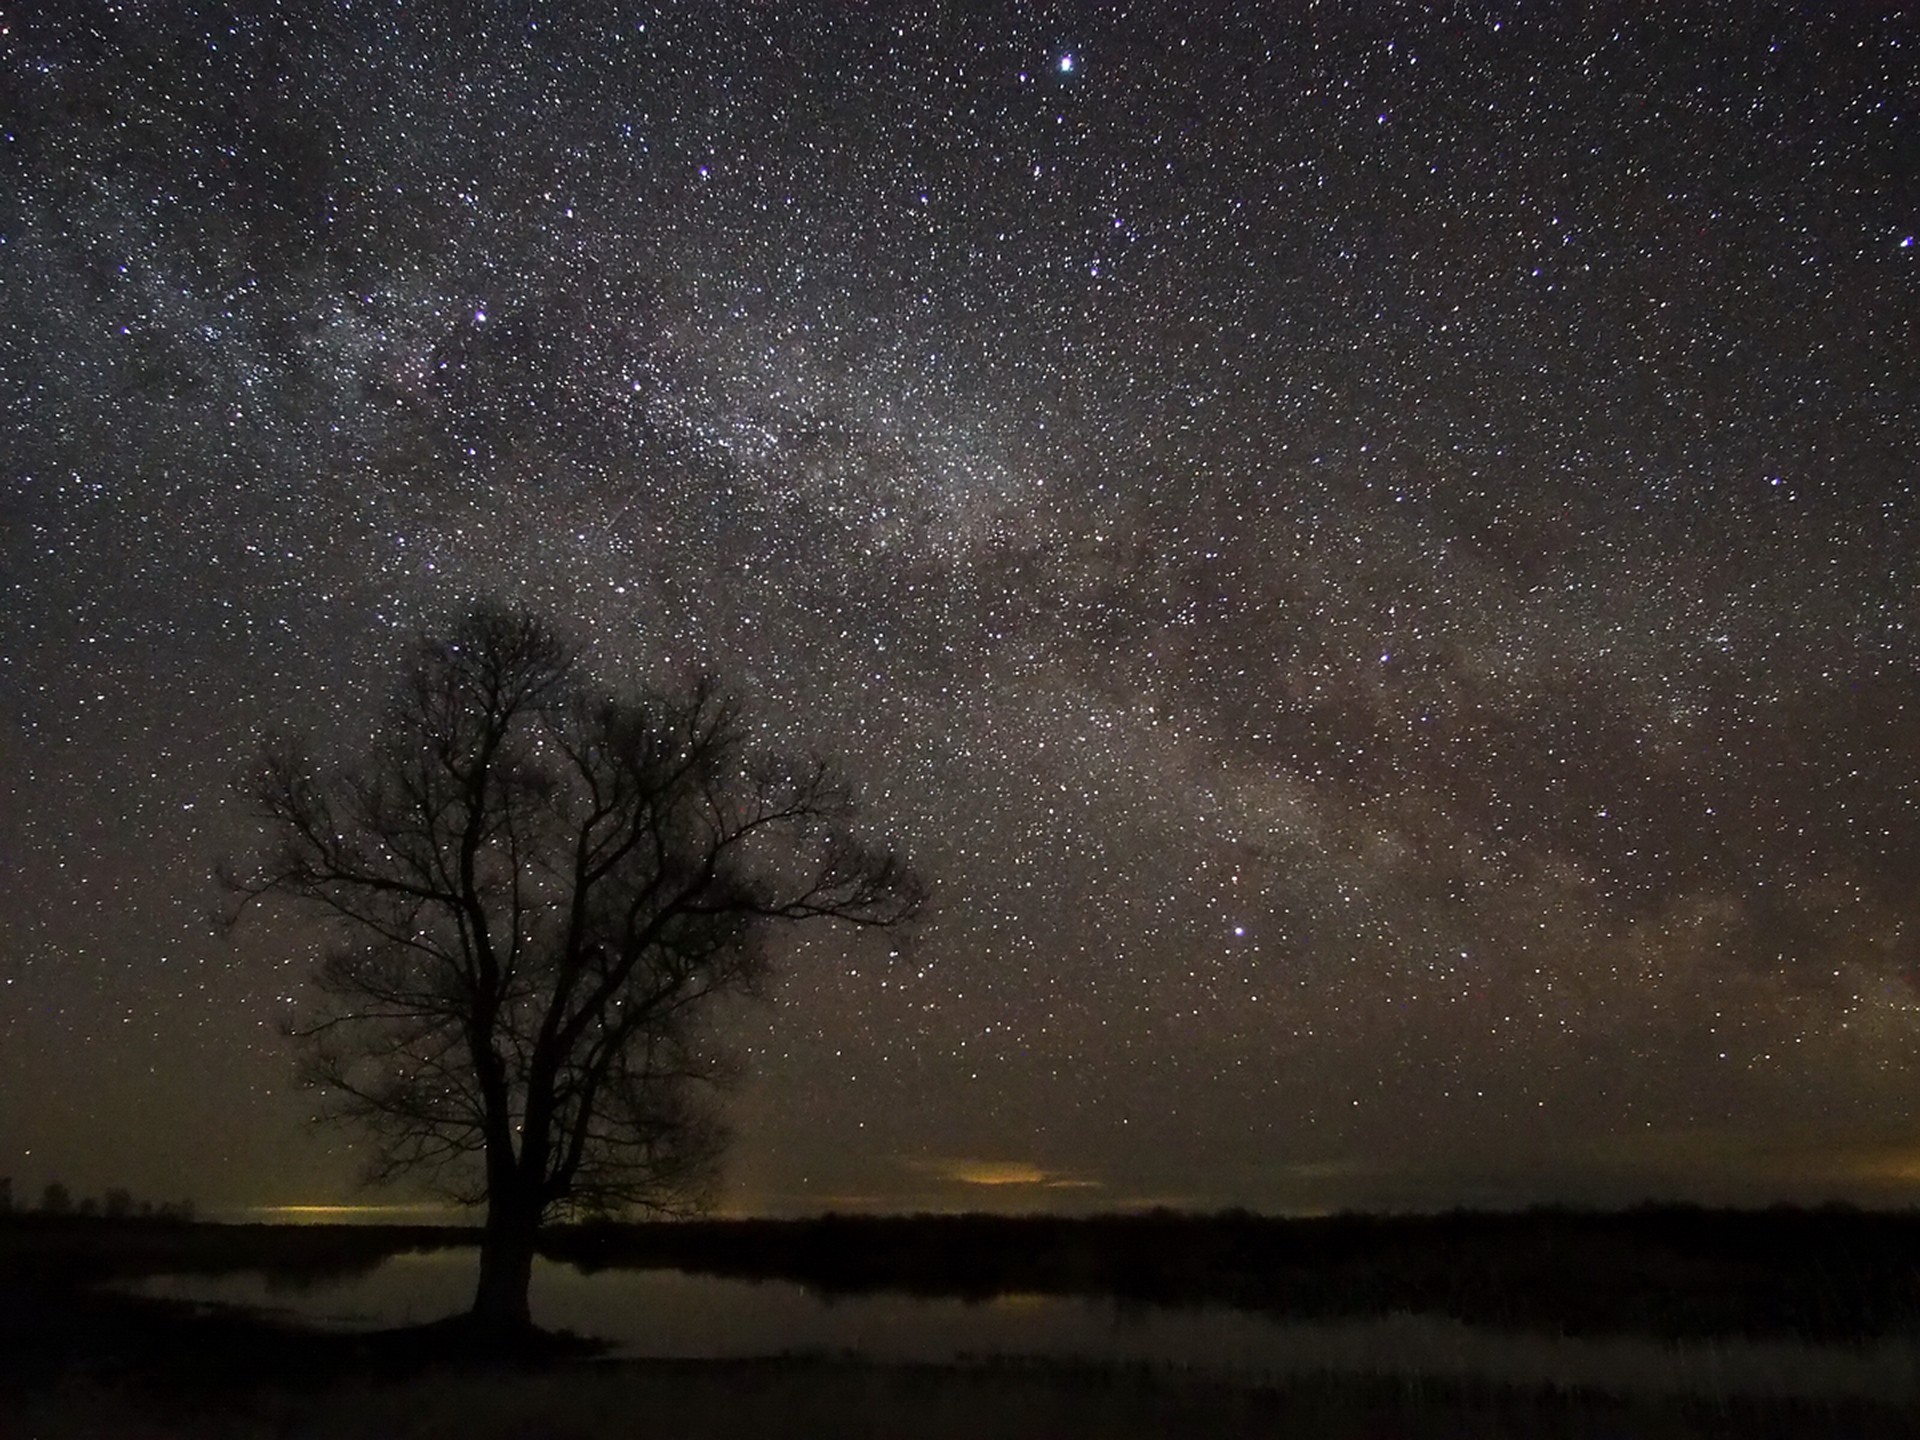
pixel 666 1313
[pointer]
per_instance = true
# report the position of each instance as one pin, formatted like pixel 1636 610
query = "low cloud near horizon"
pixel 1003 1173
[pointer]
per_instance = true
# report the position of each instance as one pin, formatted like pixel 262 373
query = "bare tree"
pixel 536 886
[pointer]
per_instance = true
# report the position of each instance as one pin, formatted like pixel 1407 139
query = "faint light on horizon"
pixel 315 1214
pixel 1007 1172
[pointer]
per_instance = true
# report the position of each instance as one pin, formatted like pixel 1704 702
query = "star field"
pixel 1370 552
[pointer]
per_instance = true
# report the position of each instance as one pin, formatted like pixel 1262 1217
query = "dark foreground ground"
pixel 1674 1272
pixel 122 1369
pixel 76 1360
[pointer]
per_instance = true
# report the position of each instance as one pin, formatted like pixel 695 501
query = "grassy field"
pixel 76 1360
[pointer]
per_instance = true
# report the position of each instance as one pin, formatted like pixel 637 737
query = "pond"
pixel 671 1314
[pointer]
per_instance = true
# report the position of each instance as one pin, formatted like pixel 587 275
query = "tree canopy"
pixel 535 886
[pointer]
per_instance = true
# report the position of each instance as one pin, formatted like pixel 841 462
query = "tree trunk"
pixel 500 1305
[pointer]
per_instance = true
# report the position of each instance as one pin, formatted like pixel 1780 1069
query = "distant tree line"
pixel 115 1203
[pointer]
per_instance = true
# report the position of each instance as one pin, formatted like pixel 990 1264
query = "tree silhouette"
pixel 537 885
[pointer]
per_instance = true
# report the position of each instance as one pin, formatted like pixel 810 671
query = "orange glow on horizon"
pixel 320 1212
pixel 1007 1172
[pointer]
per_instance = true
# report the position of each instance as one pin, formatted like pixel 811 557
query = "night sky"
pixel 1369 551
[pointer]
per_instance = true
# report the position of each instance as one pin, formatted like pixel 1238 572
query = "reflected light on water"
pixel 673 1314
